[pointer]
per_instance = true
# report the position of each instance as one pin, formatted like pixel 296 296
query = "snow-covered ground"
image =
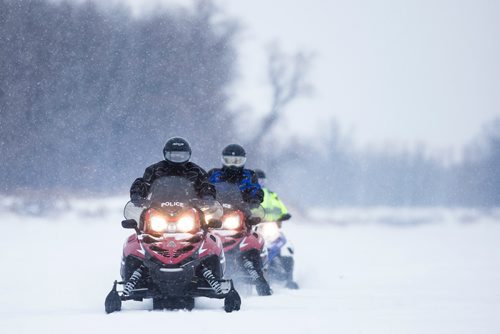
pixel 439 273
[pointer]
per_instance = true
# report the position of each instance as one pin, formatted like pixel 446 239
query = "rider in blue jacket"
pixel 233 171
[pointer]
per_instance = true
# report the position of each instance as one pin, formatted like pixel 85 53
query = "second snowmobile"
pixel 243 247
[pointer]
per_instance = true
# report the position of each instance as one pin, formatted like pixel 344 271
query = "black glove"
pixel 253 221
pixel 286 216
pixel 138 200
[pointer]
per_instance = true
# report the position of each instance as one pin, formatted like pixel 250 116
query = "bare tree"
pixel 287 75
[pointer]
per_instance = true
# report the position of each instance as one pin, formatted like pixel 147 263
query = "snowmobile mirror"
pixel 214 223
pixel 129 223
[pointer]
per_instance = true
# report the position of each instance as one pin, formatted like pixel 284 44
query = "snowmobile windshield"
pixel 230 194
pixel 171 193
pixel 171 189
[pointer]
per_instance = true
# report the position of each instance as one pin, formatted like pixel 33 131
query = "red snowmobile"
pixel 173 257
pixel 243 247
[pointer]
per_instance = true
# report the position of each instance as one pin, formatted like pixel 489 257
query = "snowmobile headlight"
pixel 158 223
pixel 231 222
pixel 186 223
pixel 269 230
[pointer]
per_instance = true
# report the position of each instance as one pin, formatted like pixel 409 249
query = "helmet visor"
pixel 177 156
pixel 230 160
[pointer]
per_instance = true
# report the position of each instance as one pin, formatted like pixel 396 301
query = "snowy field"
pixel 360 271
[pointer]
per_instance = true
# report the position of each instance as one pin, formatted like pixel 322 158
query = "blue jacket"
pixel 245 178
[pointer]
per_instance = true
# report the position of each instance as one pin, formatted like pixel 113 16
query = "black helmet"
pixel 177 150
pixel 233 156
pixel 260 173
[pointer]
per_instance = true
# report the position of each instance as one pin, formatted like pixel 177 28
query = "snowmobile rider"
pixel 274 208
pixel 177 153
pixel 275 211
pixel 233 171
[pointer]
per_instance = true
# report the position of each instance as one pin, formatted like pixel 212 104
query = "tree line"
pixel 89 96
pixel 343 176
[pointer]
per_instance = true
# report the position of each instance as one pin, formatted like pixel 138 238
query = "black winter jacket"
pixel 191 171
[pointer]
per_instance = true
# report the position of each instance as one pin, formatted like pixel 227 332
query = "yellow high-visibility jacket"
pixel 273 207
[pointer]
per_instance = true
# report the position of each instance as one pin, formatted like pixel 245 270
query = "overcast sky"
pixel 391 72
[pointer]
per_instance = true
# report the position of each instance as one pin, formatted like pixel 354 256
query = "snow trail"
pixel 367 278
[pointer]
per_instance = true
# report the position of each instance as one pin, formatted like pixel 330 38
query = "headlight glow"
pixel 270 231
pixel 186 224
pixel 231 222
pixel 158 223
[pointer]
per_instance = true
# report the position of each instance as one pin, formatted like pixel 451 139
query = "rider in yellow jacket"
pixel 274 208
pixel 276 211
